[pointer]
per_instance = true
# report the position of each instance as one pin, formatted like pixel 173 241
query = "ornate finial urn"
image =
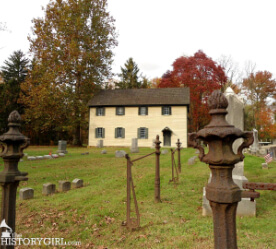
pixel 222 192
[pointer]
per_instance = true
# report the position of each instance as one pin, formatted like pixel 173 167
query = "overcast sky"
pixel 156 32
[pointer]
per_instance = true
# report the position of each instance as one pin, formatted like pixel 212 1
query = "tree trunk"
pixel 77 135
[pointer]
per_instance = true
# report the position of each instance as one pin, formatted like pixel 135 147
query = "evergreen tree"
pixel 129 76
pixel 14 73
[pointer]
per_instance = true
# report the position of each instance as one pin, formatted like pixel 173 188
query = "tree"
pixel 202 75
pixel 130 78
pixel 72 49
pixel 258 87
pixel 14 73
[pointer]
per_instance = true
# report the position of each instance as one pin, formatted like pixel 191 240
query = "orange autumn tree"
pixel 202 75
pixel 265 123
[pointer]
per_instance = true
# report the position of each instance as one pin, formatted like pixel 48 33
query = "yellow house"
pixel 117 116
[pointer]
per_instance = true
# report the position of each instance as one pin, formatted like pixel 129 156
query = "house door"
pixel 167 137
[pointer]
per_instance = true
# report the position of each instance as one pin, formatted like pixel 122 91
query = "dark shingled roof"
pixel 137 97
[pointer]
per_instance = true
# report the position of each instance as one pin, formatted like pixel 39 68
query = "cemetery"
pixel 85 198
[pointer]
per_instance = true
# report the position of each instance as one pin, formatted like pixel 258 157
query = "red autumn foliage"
pixel 264 121
pixel 202 75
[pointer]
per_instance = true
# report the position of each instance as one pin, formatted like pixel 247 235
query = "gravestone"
pixel 62 144
pixel 77 183
pixel 61 154
pixel 47 157
pixel 264 166
pixel 254 148
pixel 235 117
pixel 48 189
pixel 100 144
pixel 26 193
pixel 103 152
pixel 64 186
pixel 272 150
pixel 120 153
pixel 85 153
pixel 164 152
pixel 54 156
pixel 134 145
pixel 31 158
pixel 153 143
pixel 192 160
pixel 40 157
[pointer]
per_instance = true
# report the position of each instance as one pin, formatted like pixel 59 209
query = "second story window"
pixel 100 111
pixel 166 110
pixel 143 110
pixel 120 110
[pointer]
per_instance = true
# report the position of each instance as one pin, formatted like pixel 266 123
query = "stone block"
pixel 48 189
pixel 61 154
pixel 26 193
pixel 64 186
pixel 264 166
pixel 103 152
pixel 40 157
pixel 120 153
pixel 31 158
pixel 85 153
pixel 164 152
pixel 54 155
pixel 47 157
pixel 77 183
pixel 192 160
pixel 245 207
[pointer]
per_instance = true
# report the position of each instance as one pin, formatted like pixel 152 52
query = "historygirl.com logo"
pixel 8 238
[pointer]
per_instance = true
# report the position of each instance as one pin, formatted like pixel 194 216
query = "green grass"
pixel 94 214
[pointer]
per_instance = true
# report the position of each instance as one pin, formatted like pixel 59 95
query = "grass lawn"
pixel 94 214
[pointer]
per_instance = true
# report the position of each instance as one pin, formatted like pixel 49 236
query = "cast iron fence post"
pixel 12 143
pixel 222 193
pixel 178 152
pixel 157 170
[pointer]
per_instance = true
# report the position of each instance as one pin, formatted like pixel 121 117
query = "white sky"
pixel 156 32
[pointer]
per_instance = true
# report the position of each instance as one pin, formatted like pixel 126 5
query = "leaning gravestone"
pixel 235 117
pixel 164 152
pixel 26 193
pixel 192 160
pixel 134 146
pixel 62 144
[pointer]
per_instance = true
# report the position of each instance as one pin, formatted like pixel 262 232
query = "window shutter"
pixel 147 132
pixel 170 108
pixel 146 110
pixel 103 132
pixel 123 111
pixel 138 133
pixel 96 133
pixel 123 132
pixel 162 110
pixel 139 110
pixel 116 133
pixel 103 111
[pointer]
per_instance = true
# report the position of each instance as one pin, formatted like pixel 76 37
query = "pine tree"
pixel 129 76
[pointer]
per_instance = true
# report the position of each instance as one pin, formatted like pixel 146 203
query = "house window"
pixel 100 111
pixel 166 110
pixel 143 110
pixel 99 132
pixel 143 133
pixel 119 132
pixel 120 110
